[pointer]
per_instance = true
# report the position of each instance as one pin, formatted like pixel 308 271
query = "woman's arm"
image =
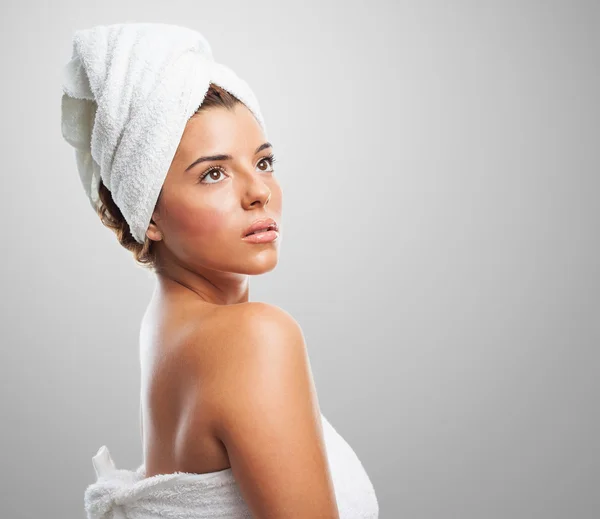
pixel 266 413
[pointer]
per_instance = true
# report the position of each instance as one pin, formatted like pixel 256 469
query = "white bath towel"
pixel 128 92
pixel 127 494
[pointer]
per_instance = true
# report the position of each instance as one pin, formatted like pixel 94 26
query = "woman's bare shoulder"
pixel 256 309
pixel 264 409
pixel 247 320
pixel 228 333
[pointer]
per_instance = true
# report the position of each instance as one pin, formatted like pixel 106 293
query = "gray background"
pixel 440 171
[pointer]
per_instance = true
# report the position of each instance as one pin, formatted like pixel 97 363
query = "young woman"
pixel 231 424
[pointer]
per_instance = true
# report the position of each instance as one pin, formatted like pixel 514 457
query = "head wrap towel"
pixel 128 92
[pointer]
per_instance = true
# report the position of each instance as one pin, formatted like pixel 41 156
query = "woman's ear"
pixel 152 232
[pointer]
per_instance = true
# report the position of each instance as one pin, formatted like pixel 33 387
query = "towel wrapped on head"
pixel 128 92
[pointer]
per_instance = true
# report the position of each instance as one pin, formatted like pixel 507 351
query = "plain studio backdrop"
pixel 439 162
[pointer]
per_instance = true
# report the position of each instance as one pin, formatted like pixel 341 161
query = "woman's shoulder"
pixel 245 354
pixel 201 338
pixel 258 400
pixel 237 322
pixel 244 328
pixel 255 309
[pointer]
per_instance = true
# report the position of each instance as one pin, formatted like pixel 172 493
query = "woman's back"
pixel 178 339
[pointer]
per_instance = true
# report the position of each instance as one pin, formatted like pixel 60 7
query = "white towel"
pixel 128 494
pixel 128 92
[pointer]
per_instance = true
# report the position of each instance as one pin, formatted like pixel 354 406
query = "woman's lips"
pixel 262 224
pixel 261 237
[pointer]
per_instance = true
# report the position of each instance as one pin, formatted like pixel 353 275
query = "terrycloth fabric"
pixel 128 92
pixel 126 494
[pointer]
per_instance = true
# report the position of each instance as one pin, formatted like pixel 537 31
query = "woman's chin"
pixel 262 263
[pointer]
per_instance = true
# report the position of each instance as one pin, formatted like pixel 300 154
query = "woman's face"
pixel 205 208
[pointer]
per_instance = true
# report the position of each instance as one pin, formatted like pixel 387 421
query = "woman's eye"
pixel 211 173
pixel 267 160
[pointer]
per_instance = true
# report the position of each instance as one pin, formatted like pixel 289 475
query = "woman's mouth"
pixel 263 230
pixel 264 236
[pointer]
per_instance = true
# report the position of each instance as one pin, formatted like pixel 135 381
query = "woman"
pixel 231 423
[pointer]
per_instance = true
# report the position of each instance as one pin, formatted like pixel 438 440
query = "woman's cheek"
pixel 204 223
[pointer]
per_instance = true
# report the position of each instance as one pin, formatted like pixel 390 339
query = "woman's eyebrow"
pixel 211 158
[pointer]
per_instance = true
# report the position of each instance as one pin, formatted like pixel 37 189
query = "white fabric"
pixel 126 494
pixel 128 92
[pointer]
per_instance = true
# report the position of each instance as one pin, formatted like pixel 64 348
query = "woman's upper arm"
pixel 269 420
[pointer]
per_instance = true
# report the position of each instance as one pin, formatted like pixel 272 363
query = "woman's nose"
pixel 257 190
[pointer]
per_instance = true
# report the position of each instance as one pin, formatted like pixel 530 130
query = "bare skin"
pixel 226 383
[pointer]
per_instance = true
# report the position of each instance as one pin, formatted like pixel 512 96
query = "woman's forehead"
pixel 222 130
